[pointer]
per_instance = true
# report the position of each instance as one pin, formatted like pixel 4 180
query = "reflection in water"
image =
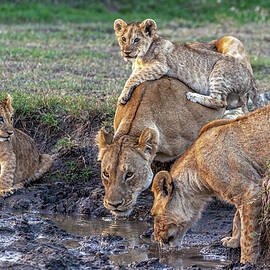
pixel 139 249
pixel 10 256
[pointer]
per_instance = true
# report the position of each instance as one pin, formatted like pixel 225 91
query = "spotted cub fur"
pixel 219 71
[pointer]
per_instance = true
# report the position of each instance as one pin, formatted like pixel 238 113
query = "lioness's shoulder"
pixel 215 123
pixel 224 122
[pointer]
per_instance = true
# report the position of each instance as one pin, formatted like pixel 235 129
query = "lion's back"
pixel 238 147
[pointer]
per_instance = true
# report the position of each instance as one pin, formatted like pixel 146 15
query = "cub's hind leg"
pixel 234 240
pixel 45 163
pixel 8 168
pixel 214 101
pixel 227 76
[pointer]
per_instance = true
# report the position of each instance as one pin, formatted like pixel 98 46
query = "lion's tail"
pixel 45 163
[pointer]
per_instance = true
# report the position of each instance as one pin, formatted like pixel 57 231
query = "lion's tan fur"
pixel 228 160
pixel 151 126
pixel 20 160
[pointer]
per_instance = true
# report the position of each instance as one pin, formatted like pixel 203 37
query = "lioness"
pixel 228 160
pixel 20 160
pixel 151 126
pixel 213 74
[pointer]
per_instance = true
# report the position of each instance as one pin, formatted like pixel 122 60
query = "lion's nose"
pixel 127 52
pixel 115 204
pixel 167 240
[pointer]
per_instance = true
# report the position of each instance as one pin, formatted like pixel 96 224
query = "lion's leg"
pixel 249 213
pixel 45 164
pixel 244 103
pixel 224 80
pixel 234 240
pixel 8 168
pixel 151 72
pixel 214 101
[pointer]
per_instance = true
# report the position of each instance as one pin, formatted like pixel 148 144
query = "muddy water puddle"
pixel 136 248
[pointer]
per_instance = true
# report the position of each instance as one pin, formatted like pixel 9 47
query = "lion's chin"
pixel 118 213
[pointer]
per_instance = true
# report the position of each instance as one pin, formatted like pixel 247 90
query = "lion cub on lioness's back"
pixel 20 160
pixel 214 70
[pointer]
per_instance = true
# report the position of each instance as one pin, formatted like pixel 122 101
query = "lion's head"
pixel 125 168
pixel 171 214
pixel 6 112
pixel 134 38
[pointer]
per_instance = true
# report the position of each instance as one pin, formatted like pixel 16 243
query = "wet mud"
pixel 63 225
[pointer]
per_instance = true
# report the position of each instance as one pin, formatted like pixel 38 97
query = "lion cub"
pixel 215 70
pixel 20 160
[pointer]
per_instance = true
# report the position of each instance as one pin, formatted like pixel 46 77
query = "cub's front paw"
pixel 6 192
pixel 192 97
pixel 123 101
pixel 230 242
pixel 124 98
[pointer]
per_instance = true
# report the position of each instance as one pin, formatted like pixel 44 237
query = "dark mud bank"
pixel 33 241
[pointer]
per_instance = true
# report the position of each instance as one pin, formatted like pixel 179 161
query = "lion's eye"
pixel 2 121
pixel 105 174
pixel 123 39
pixel 128 175
pixel 136 40
pixel 11 119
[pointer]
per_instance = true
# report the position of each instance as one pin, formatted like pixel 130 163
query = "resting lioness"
pixel 20 160
pixel 212 74
pixel 151 126
pixel 228 160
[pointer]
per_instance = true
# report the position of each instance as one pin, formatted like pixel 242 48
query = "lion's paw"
pixel 192 97
pixel 6 192
pixel 230 242
pixel 122 100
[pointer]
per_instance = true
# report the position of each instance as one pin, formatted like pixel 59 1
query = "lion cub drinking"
pixel 20 160
pixel 215 70
pixel 228 160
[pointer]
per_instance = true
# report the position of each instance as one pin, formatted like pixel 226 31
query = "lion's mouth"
pixel 121 213
pixel 4 139
pixel 128 56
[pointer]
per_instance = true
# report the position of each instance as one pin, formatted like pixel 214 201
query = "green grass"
pixel 74 172
pixel 82 11
pixel 259 62
pixel 76 69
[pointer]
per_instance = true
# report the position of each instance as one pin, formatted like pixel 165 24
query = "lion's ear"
pixel 162 184
pixel 148 143
pixel 148 27
pixel 103 139
pixel 119 25
pixel 8 101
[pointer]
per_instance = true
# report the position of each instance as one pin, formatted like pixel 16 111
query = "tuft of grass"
pixel 74 172
pixel 64 143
